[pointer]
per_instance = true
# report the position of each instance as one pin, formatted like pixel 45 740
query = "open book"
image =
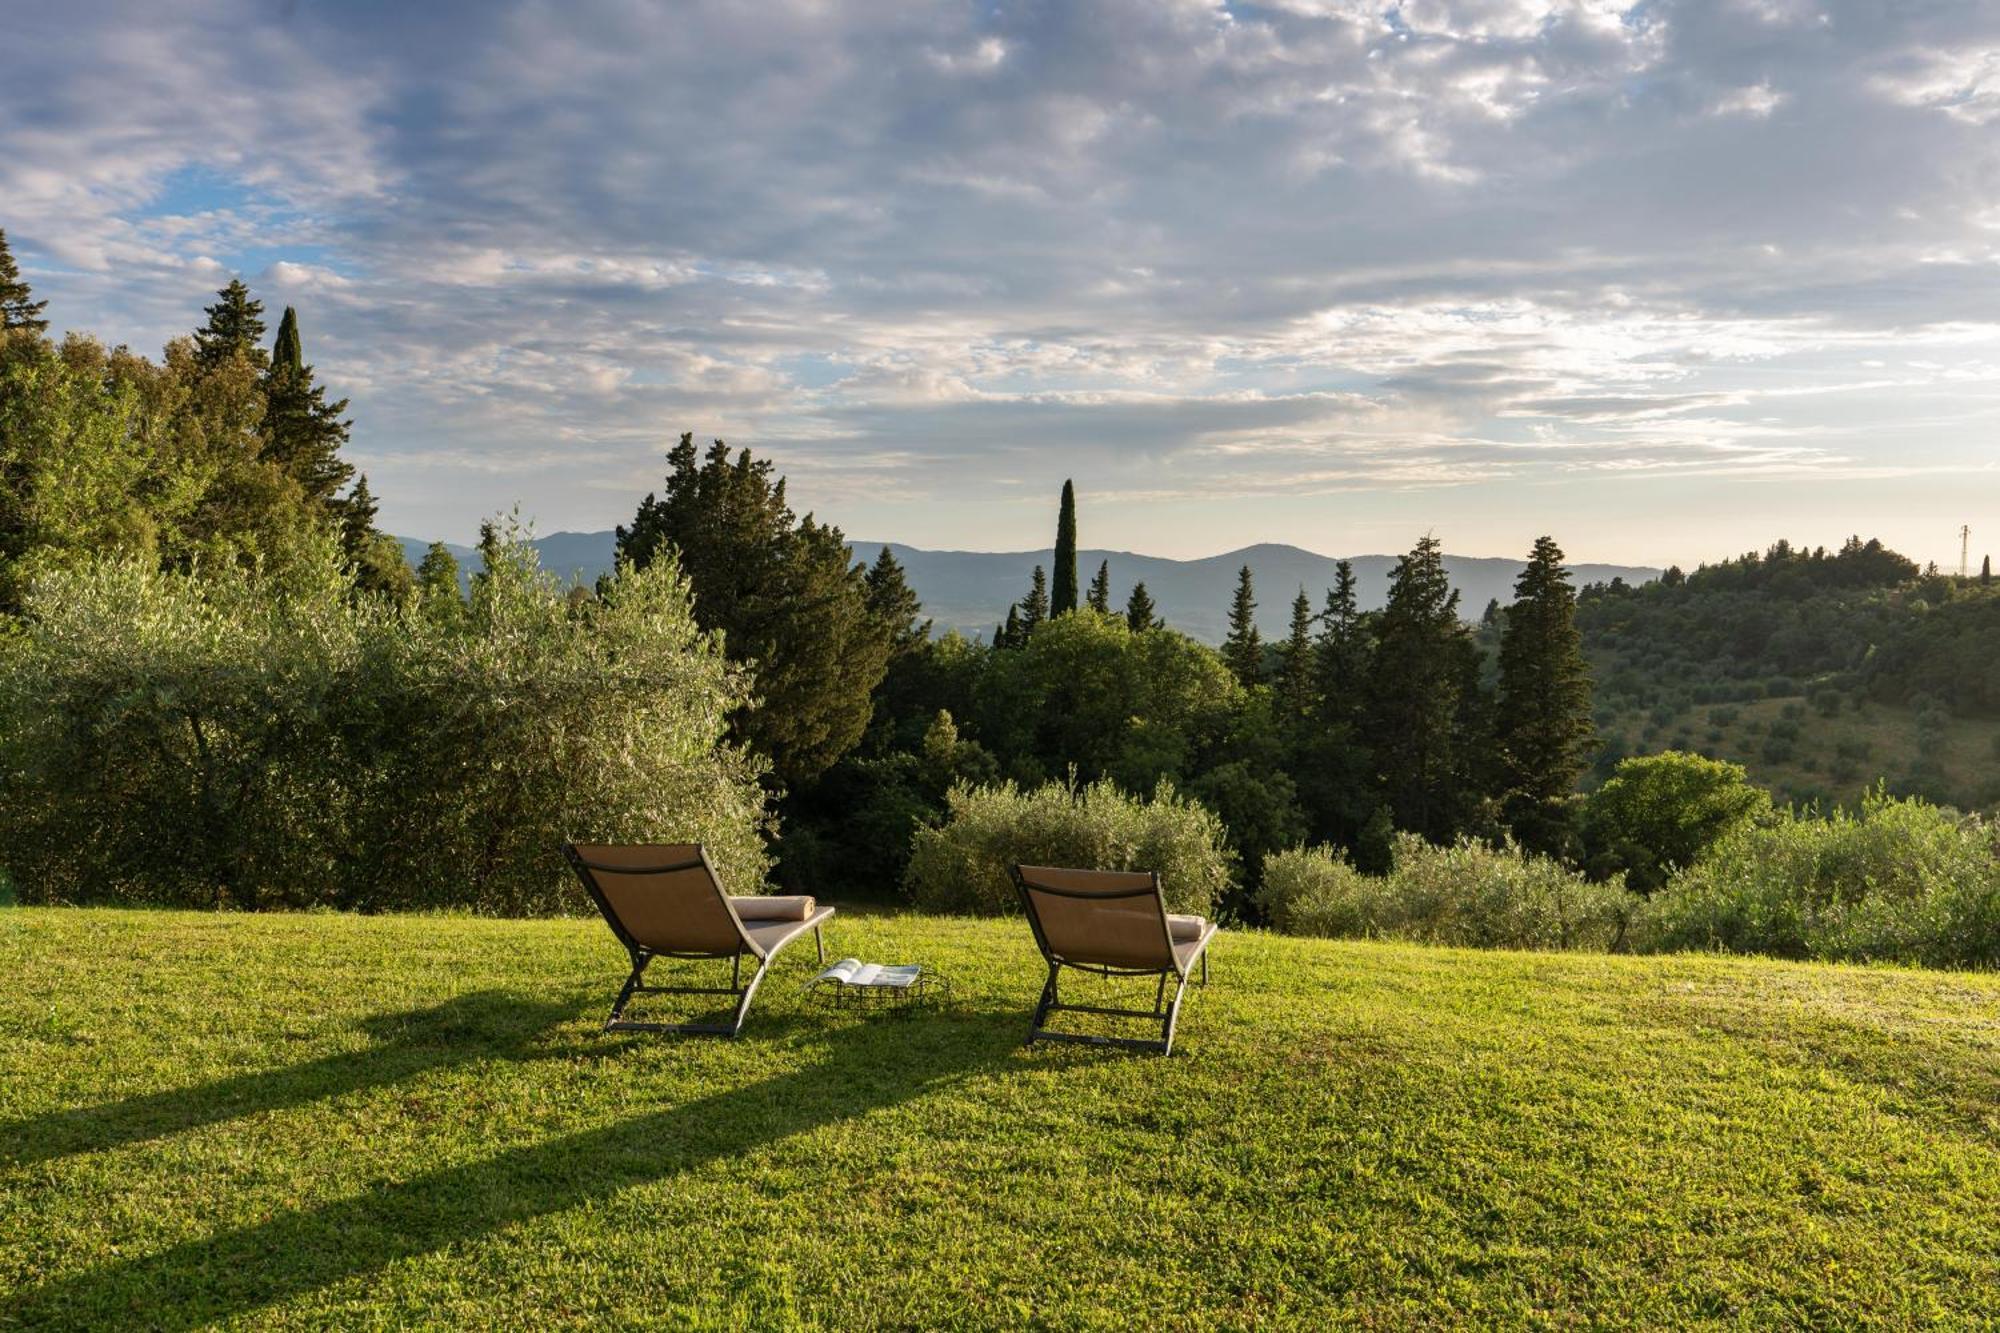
pixel 854 972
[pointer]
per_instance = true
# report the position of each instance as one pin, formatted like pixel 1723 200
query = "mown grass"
pixel 300 1120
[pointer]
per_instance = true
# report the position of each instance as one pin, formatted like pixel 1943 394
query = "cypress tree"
pixel 1036 608
pixel 16 310
pixel 438 574
pixel 1139 612
pixel 1099 597
pixel 303 433
pixel 1543 727
pixel 357 519
pixel 1063 596
pixel 1010 635
pixel 1243 650
pixel 1413 700
pixel 1986 571
pixel 235 328
pixel 1295 669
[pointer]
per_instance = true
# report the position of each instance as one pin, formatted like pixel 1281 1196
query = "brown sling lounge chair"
pixel 1113 923
pixel 664 900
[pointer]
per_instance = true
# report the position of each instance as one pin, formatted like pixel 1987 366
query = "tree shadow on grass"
pixel 484 1025
pixel 866 1067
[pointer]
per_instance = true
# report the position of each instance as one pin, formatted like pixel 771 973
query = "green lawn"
pixel 302 1120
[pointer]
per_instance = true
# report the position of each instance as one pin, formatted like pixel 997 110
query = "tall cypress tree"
pixel 17 311
pixel 1243 650
pixel 1543 725
pixel 1985 571
pixel 1140 613
pixel 1099 597
pixel 1063 596
pixel 235 328
pixel 303 432
pixel 1036 608
pixel 1414 699
pixel 1295 660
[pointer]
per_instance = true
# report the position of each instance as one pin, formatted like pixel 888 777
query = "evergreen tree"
pixel 1415 686
pixel 1543 728
pixel 16 310
pixel 1985 571
pixel 783 592
pixel 1011 635
pixel 438 574
pixel 303 433
pixel 1295 658
pixel 1063 596
pixel 357 518
pixel 893 602
pixel 235 328
pixel 1243 650
pixel 1139 612
pixel 1036 608
pixel 1099 597
pixel 1340 653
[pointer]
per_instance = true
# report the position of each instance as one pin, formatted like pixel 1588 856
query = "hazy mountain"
pixel 970 590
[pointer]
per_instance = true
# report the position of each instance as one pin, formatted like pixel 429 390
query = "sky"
pixel 1668 280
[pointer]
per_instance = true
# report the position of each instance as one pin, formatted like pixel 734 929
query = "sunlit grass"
pixel 296 1120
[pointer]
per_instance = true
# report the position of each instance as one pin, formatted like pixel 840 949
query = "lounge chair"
pixel 664 900
pixel 1113 923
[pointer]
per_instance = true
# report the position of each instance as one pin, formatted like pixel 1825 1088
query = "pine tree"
pixel 303 433
pixel 1062 597
pixel 1243 650
pixel 1099 598
pixel 1340 653
pixel 357 518
pixel 235 328
pixel 1036 608
pixel 1295 660
pixel 893 602
pixel 1413 708
pixel 1010 635
pixel 1543 727
pixel 783 591
pixel 16 310
pixel 1139 612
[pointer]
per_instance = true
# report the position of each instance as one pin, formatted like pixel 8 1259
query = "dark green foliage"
pixel 1243 649
pixel 17 310
pixel 1062 597
pixel 438 575
pixel 1418 706
pixel 1140 613
pixel 235 329
pixel 1295 661
pixel 782 592
pixel 1342 649
pixel 1010 634
pixel 1035 609
pixel 1985 570
pixel 1544 727
pixel 1099 597
pixel 303 432
pixel 892 601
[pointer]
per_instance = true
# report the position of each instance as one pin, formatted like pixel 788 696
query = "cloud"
pixel 1497 248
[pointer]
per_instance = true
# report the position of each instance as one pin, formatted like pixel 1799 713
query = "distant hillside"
pixel 970 590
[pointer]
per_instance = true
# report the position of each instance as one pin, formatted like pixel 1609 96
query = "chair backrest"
pixel 1105 918
pixel 661 897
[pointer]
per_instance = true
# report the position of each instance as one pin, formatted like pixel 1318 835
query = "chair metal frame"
pixel 643 956
pixel 1164 1013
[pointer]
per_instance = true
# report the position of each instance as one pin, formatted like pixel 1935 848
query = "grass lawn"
pixel 301 1120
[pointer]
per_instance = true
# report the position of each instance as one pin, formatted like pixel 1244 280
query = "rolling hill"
pixel 970 591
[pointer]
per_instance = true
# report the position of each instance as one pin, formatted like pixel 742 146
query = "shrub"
pixel 1901 880
pixel 962 866
pixel 1659 812
pixel 234 739
pixel 1471 894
